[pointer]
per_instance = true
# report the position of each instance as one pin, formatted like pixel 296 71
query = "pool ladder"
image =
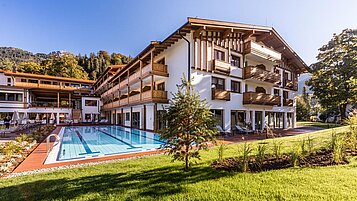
pixel 48 148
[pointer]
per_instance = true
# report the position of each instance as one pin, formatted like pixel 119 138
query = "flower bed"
pixel 14 152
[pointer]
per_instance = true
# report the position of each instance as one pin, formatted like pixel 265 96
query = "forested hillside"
pixel 64 64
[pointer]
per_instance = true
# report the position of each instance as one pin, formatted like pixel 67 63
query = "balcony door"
pixel 218 114
pixel 258 120
pixel 237 118
pixel 136 119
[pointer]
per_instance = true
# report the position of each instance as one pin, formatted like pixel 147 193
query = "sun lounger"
pixel 241 130
pixel 221 131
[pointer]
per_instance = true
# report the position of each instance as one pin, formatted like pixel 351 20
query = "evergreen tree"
pixel 190 125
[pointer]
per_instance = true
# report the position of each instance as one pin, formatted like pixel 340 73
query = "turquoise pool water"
pixel 93 141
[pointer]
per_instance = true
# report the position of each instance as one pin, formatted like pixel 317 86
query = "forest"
pixel 58 63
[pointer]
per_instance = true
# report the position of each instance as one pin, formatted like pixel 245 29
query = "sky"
pixel 84 26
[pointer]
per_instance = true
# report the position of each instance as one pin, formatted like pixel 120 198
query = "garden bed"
pixel 14 152
pixel 320 158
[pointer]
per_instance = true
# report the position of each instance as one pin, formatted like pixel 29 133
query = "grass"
pixel 318 124
pixel 158 178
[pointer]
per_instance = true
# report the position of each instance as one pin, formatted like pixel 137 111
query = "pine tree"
pixel 190 125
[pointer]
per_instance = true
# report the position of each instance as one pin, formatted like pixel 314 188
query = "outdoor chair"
pixel 241 130
pixel 221 131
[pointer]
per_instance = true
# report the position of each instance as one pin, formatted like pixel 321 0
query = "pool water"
pixel 93 141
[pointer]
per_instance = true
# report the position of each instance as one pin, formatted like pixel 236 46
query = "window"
pixel 90 102
pixel 23 80
pixel 218 83
pixel 246 87
pixel 45 82
pixel 218 115
pixel 8 79
pixel 285 94
pixel 11 97
pixel 276 92
pixel 161 86
pixel 260 90
pixel 235 86
pixel 127 116
pixel 235 61
pixel 33 81
pixel 87 116
pixel 219 55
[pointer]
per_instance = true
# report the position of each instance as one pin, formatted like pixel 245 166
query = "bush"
pixel 295 156
pixel 277 148
pixel 245 157
pixel 221 149
pixel 11 148
pixel 261 155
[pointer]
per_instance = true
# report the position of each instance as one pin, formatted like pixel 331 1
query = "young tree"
pixel 190 125
pixel 334 70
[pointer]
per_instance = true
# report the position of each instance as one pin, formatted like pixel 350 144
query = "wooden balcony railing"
pixel 134 98
pixel 49 86
pixel 157 69
pixel 220 94
pixel 221 66
pixel 253 48
pixel 288 102
pixel 155 95
pixel 124 101
pixel 290 84
pixel 48 104
pixel 251 72
pixel 260 99
pixel 134 77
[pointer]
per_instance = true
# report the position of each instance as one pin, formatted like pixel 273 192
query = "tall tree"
pixel 334 70
pixel 190 125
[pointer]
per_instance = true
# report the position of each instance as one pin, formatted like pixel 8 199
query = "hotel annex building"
pixel 248 75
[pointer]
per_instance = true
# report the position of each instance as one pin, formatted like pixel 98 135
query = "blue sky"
pixel 83 26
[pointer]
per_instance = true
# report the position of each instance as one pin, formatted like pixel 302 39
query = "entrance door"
pixel 136 119
pixel 258 120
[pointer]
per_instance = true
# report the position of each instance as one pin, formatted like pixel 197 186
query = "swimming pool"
pixel 85 142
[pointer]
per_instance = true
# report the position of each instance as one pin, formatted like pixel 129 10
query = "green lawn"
pixel 318 124
pixel 157 178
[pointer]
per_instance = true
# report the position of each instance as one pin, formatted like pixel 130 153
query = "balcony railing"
pixel 134 98
pixel 260 99
pixel 157 69
pixel 288 102
pixel 134 77
pixel 261 51
pixel 256 73
pixel 48 104
pixel 290 84
pixel 220 94
pixel 154 95
pixel 49 86
pixel 221 66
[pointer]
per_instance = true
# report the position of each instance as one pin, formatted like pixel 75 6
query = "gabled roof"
pixel 268 35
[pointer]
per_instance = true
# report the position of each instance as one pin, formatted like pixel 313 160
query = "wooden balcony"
pixel 255 73
pixel 290 84
pixel 155 95
pixel 49 86
pixel 260 99
pixel 288 102
pixel 134 98
pixel 134 77
pixel 41 104
pixel 123 83
pixel 221 67
pixel 156 69
pixel 254 49
pixel 116 103
pixel 124 101
pixel 219 94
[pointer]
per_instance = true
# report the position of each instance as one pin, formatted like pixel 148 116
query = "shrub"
pixel 310 145
pixel 277 148
pixel 221 149
pixel 10 149
pixel 245 157
pixel 261 155
pixel 295 156
pixel 22 138
pixel 337 148
pixel 303 147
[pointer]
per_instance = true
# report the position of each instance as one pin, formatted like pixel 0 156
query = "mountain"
pixel 302 79
pixel 18 55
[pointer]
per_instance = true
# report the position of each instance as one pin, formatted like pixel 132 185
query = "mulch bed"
pixel 317 159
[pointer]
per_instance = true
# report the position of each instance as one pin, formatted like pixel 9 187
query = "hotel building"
pixel 248 75
pixel 43 96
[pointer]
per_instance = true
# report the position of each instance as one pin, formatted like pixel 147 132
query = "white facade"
pixel 203 71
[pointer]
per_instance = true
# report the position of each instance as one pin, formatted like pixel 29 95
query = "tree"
pixel 6 64
pixel 334 72
pixel 30 67
pixel 190 125
pixel 302 110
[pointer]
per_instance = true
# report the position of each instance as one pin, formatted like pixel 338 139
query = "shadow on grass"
pixel 154 183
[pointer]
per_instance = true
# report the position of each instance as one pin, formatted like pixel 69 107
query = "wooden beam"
pixel 227 33
pixel 248 34
pixel 199 32
pixel 263 37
